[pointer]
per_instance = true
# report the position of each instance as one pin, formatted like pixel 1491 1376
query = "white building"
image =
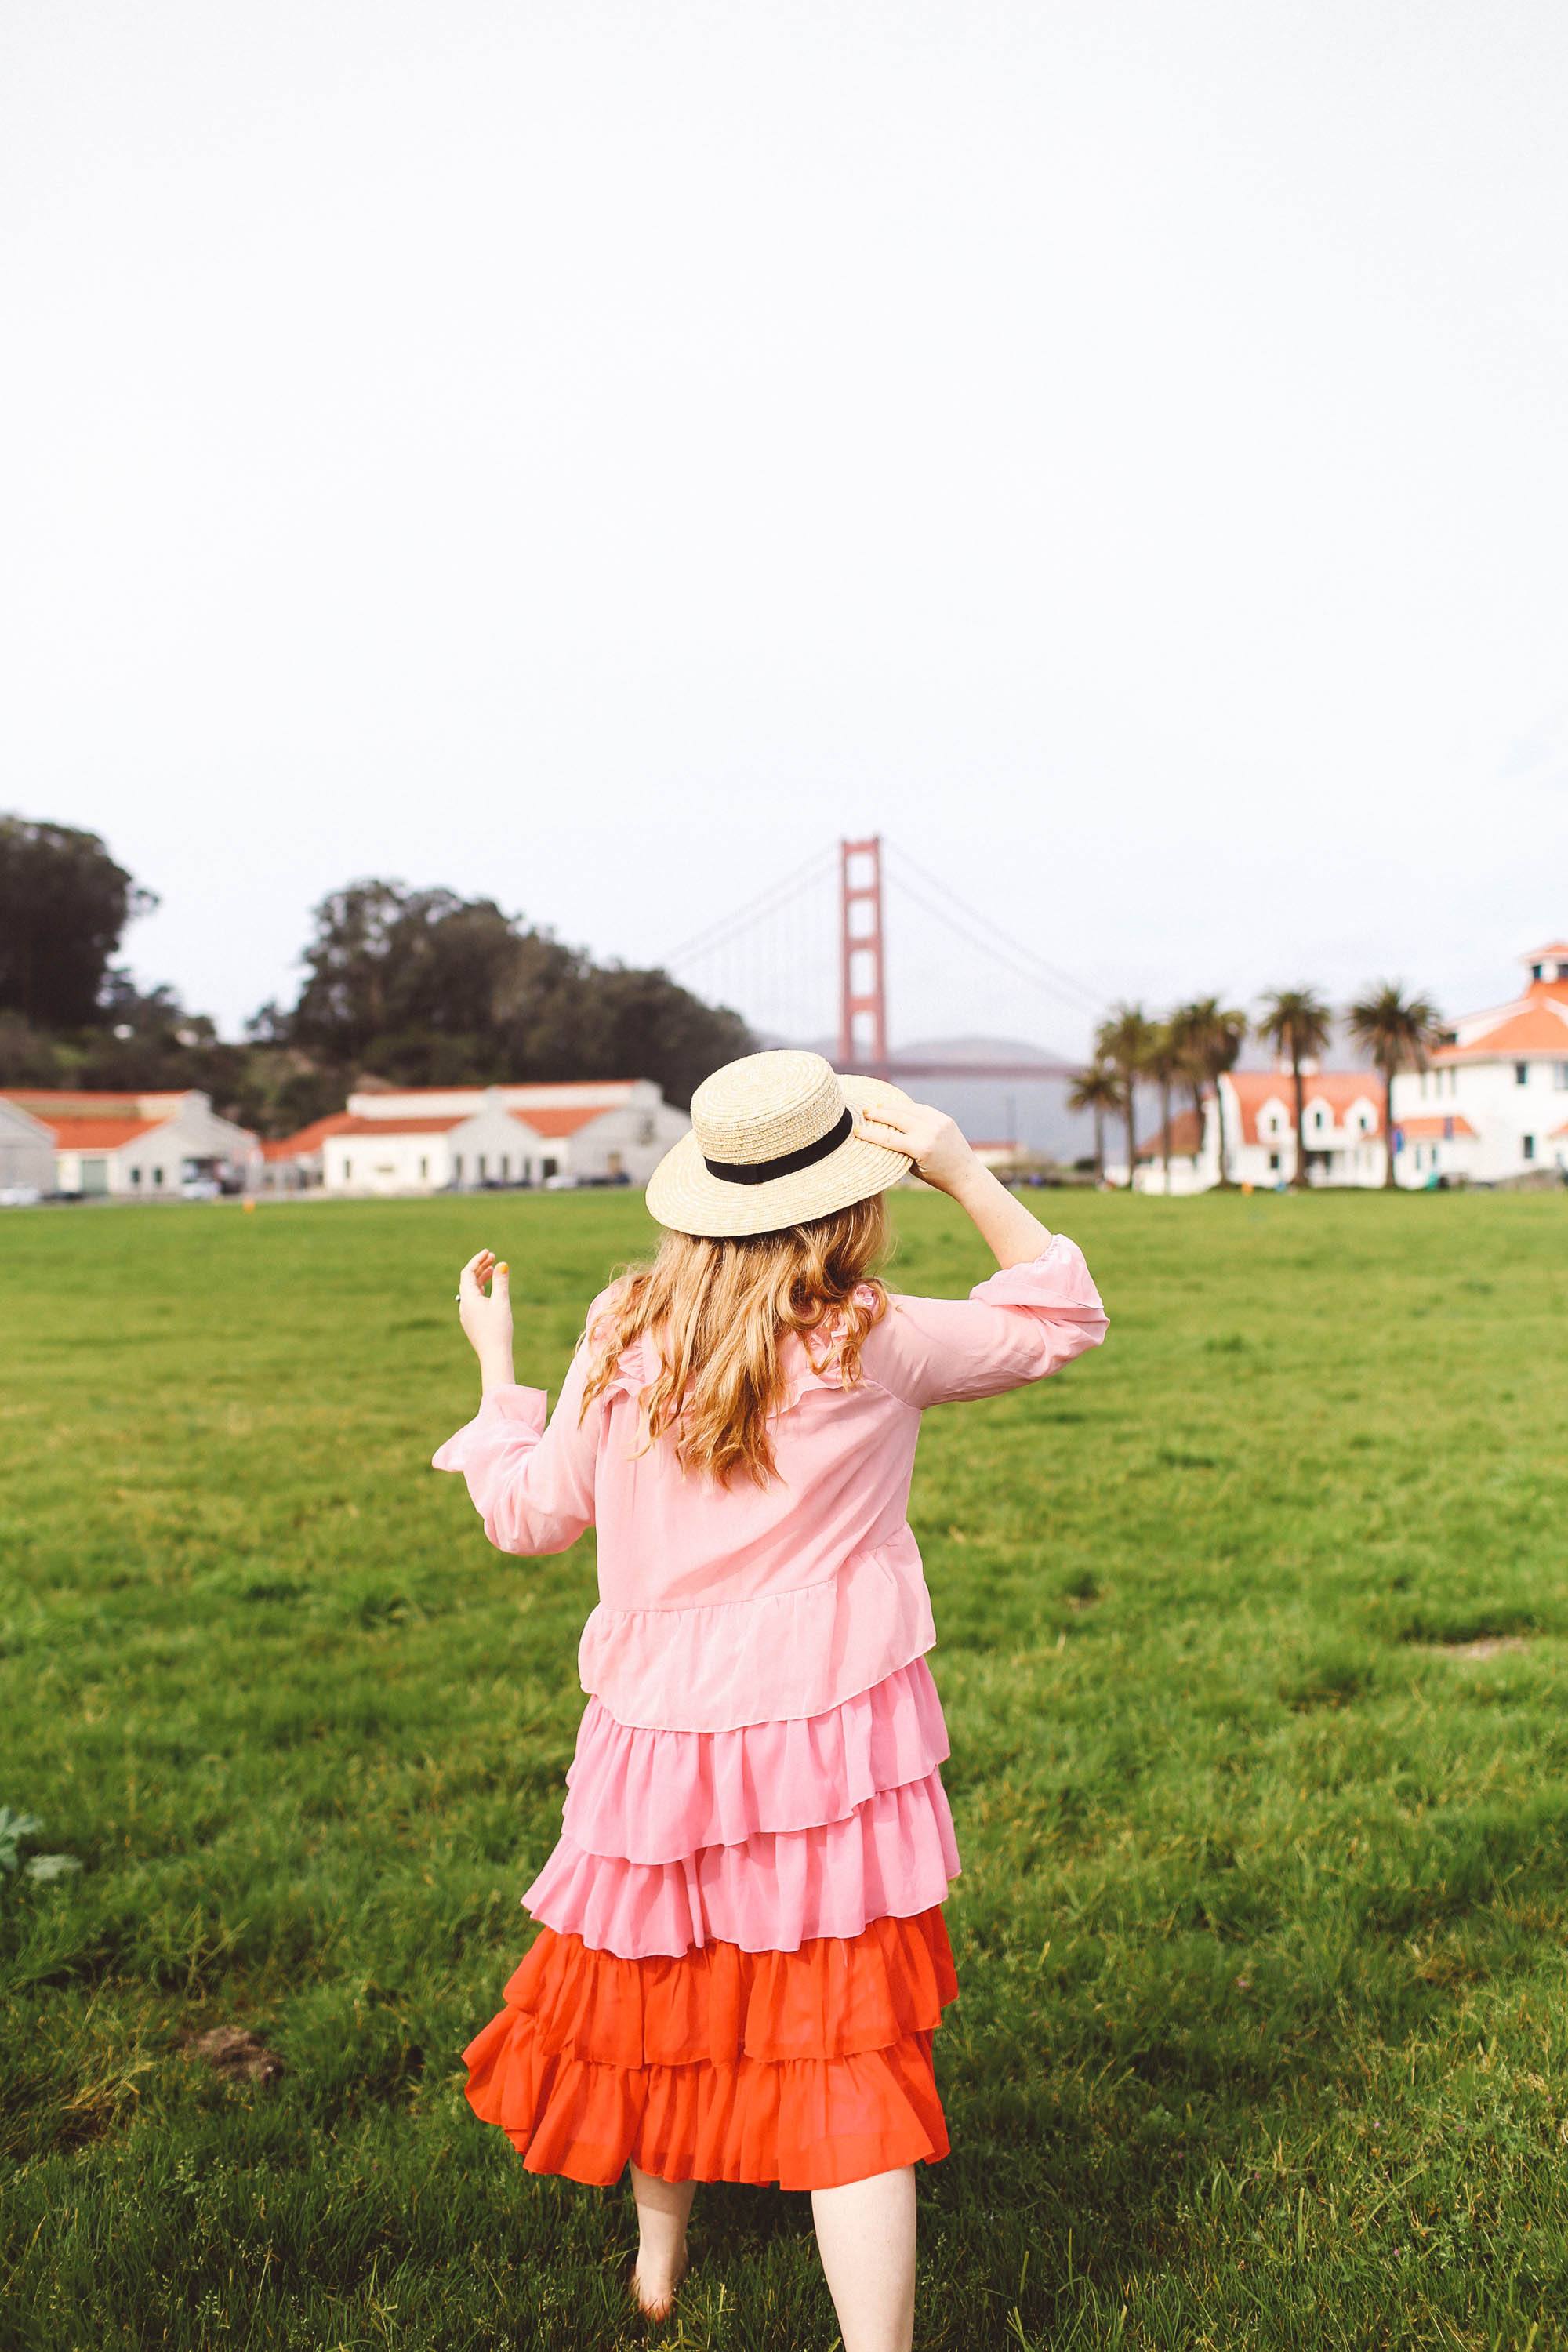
pixel 585 1127
pixel 1343 1131
pixel 138 1146
pixel 433 1152
pixel 440 1139
pixel 26 1152
pixel 1493 1104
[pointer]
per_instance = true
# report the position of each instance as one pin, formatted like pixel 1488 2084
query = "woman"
pixel 741 1956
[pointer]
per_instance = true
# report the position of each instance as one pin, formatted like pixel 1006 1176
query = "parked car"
pixel 200 1188
pixel 564 1182
pixel 19 1196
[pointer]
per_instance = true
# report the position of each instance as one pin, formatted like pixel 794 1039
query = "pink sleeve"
pixel 532 1483
pixel 1023 1322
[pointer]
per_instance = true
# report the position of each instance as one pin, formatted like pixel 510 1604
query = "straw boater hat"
pixel 773 1144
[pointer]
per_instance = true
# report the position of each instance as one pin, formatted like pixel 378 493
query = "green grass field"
pixel 1252 1637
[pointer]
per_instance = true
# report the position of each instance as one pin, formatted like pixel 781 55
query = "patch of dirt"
pixel 1491 1645
pixel 236 2053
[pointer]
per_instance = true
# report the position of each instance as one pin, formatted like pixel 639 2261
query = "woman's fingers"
pixel 889 1131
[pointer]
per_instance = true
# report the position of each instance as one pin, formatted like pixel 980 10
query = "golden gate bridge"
pixel 817 941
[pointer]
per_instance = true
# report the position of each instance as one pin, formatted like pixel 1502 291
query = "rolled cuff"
pixel 527 1409
pixel 1058 1280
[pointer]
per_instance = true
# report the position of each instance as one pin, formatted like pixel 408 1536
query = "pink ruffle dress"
pixel 743 1958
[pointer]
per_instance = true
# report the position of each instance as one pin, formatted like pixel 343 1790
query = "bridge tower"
pixel 863 1000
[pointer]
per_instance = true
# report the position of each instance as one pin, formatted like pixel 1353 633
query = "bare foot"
pixel 654 2288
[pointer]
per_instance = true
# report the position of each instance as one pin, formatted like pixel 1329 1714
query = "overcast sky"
pixel 595 453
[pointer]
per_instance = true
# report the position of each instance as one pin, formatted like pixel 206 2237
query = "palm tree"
pixel 1398 1032
pixel 1297 1021
pixel 1210 1036
pixel 1097 1089
pixel 1164 1063
pixel 1122 1043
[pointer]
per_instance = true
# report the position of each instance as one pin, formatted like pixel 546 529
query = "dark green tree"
pixel 1123 1043
pixel 1297 1024
pixel 1398 1031
pixel 64 905
pixel 1209 1038
pixel 1097 1089
pixel 425 988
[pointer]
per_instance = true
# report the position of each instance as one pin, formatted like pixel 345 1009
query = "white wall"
pixel 393 1162
pixel 633 1140
pixel 26 1151
pixel 490 1145
pixel 493 1146
pixel 1502 1112
pixel 194 1133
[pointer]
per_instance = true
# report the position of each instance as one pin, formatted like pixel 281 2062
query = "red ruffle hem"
pixel 808 2068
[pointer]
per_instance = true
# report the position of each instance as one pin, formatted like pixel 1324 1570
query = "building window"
pixel 1560 1076
pixel 547 1168
pixel 479 1167
pixel 1521 1074
pixel 424 1170
pixel 505 1166
pixel 135 1177
pixel 157 1176
pixel 457 1167
pixel 1530 1146
pixel 1274 1163
pixel 348 1171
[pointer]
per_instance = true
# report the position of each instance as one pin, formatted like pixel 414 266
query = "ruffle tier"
pixel 728 1663
pixel 803 2121
pixel 649 1795
pixel 891 1858
pixel 834 1998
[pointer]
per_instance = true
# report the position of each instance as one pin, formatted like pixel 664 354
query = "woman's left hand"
pixel 487 1321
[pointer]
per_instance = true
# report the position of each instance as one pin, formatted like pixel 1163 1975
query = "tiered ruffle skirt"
pixel 742 1958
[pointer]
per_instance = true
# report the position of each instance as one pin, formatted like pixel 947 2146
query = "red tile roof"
pixel 559 1122
pixel 1186 1139
pixel 1337 1090
pixel 306 1140
pixel 350 1125
pixel 99 1134
pixel 1437 1129
pixel 1536 1024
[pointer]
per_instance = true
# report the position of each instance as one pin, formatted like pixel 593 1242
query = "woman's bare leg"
pixel 866 2235
pixel 662 2210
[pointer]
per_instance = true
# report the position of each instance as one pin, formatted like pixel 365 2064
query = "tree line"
pixel 417 987
pixel 1199 1042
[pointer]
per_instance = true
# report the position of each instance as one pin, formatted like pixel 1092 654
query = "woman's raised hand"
pixel 487 1320
pixel 934 1142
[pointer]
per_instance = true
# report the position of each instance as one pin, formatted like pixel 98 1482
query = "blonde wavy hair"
pixel 720 1311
